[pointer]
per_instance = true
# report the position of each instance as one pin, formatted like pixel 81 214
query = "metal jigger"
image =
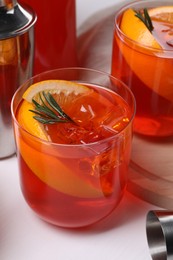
pixel 159 228
pixel 16 62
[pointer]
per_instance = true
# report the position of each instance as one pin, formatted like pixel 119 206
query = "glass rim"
pixel 74 145
pixel 126 38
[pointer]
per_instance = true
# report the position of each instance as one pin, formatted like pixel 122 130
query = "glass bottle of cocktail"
pixel 55 34
pixel 143 59
pixel 73 144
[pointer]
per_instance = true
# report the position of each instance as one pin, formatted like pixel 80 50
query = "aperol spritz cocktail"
pixel 143 59
pixel 73 172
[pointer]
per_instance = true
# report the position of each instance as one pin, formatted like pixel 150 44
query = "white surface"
pixel 86 8
pixel 23 236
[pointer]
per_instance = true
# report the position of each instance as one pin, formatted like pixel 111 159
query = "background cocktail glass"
pixel 148 72
pixel 75 185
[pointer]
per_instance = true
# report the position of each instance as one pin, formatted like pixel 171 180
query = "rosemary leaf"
pixel 49 121
pixel 52 102
pixel 145 18
pixel 49 114
pixel 44 109
pixel 148 20
pixel 35 112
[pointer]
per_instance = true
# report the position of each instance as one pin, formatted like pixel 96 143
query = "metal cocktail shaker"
pixel 16 62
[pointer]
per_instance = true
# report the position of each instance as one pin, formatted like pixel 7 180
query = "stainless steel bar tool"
pixel 16 62
pixel 159 229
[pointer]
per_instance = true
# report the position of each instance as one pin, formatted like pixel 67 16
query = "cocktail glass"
pixel 148 72
pixel 75 185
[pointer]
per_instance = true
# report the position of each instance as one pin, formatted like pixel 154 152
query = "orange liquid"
pixel 150 79
pixel 97 172
pixel 55 34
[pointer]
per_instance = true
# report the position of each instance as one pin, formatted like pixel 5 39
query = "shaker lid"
pixel 15 19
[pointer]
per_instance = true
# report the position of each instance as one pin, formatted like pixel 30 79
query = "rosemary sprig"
pixel 145 18
pixel 51 113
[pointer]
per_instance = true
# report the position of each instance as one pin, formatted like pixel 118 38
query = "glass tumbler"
pixel 147 70
pixel 75 185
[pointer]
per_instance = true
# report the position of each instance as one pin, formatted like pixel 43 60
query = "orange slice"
pixel 26 120
pixel 43 158
pixel 56 174
pixel 154 71
pixel 68 89
pixel 136 30
pixel 66 92
pixel 162 13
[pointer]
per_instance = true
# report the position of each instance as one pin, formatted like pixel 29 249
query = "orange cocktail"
pixel 73 161
pixel 143 59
